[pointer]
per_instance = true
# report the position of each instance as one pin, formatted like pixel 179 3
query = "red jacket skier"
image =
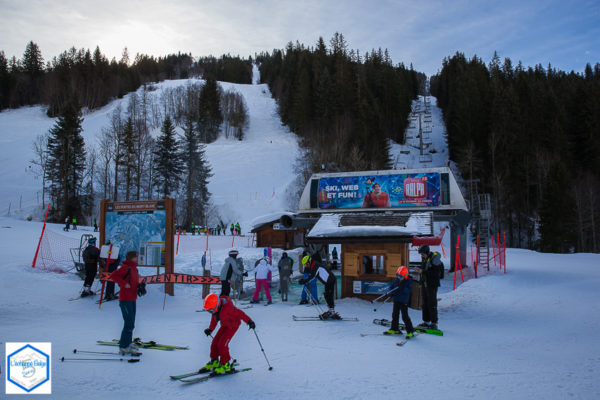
pixel 223 310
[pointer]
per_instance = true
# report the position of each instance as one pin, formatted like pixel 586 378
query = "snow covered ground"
pixel 435 153
pixel 237 190
pixel 528 334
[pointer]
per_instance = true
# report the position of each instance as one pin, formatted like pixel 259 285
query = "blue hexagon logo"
pixel 28 367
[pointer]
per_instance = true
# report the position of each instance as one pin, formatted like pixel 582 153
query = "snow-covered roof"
pixel 269 218
pixel 361 225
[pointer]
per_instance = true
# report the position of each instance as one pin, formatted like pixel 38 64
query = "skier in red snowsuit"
pixel 223 310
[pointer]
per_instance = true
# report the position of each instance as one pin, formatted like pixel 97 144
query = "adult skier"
pixel 193 228
pixel 238 228
pixel 74 223
pixel 328 279
pixel 127 277
pixel 203 261
pixel 95 225
pixel 67 224
pixel 230 272
pixel 218 230
pixel 90 256
pixel 431 270
pixel 223 310
pixel 262 273
pixel 308 267
pixel 401 288
pixel 231 229
pixel 286 270
pixel 109 294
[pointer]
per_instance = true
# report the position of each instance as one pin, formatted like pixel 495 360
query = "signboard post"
pixel 144 226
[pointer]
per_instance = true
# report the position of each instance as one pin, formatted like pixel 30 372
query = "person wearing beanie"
pixel 90 256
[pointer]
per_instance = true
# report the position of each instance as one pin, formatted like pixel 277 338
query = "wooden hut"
pixel 271 233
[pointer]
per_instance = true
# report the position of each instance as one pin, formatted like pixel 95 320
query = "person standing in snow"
pixel 230 272
pixel 232 229
pixel 67 224
pixel 285 267
pixel 308 267
pixel 223 310
pixel 193 228
pixel 238 228
pixel 262 272
pixel 110 285
pixel 431 270
pixel 203 261
pixel 95 225
pixel 74 223
pixel 127 277
pixel 90 256
pixel 328 279
pixel 400 291
pixel 334 258
pixel 218 230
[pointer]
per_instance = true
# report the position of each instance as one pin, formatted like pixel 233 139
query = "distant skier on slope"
pixel 230 272
pixel 223 310
pixel 328 279
pixel 262 272
pixel 91 256
pixel 431 270
pixel 232 229
pixel 401 289
pixel 67 224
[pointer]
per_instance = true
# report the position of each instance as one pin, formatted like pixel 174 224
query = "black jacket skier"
pixel 432 271
pixel 90 256
pixel 328 279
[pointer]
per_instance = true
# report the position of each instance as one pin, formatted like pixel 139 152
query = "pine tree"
pixel 66 162
pixel 128 157
pixel 167 160
pixel 196 174
pixel 210 115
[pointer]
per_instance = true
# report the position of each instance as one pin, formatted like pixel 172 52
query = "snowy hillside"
pixel 239 192
pixel 526 335
pixel 435 145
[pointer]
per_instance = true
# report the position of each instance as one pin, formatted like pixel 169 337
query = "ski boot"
pixel 223 369
pixel 424 325
pixel 270 302
pixel 326 315
pixel 392 332
pixel 254 301
pixel 410 335
pixel 335 315
pixel 302 302
pixel 131 349
pixel 433 325
pixel 211 365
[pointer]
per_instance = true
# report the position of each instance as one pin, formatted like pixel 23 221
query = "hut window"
pixel 373 265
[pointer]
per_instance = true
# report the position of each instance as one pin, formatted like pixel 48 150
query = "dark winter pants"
pixel 128 312
pixel 429 295
pixel 330 290
pixel 225 288
pixel 219 348
pixel 284 284
pixel 110 285
pixel 401 307
pixel 90 274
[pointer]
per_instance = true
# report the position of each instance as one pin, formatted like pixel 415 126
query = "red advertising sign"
pixel 415 188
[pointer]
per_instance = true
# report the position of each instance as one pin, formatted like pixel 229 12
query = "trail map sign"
pixel 381 191
pixel 144 226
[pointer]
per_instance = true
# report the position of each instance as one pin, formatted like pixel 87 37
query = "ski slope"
pixel 435 144
pixel 528 334
pixel 251 177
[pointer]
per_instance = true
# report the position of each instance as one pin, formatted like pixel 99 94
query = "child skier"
pixel 401 288
pixel 262 273
pixel 328 279
pixel 223 310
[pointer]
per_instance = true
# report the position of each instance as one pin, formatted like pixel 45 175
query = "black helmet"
pixel 424 249
pixel 284 254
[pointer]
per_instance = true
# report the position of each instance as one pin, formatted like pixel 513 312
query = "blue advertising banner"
pixel 370 287
pixel 381 191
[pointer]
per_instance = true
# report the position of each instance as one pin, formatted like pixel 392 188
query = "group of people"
pixel 70 223
pixel 215 231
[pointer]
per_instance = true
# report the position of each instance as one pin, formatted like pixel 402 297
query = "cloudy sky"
pixel 564 33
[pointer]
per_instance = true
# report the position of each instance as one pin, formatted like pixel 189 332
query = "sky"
pixel 563 33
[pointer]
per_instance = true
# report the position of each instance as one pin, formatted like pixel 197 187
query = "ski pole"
pixel 75 351
pixel 132 360
pixel 386 300
pixel 263 350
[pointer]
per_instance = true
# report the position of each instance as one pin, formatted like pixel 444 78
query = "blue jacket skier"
pixel 400 291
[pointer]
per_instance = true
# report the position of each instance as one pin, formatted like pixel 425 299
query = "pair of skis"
pixel 400 343
pixel 388 323
pixel 145 345
pixel 192 377
pixel 297 318
pixel 104 353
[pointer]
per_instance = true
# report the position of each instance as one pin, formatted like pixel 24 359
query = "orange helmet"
pixel 212 303
pixel 402 272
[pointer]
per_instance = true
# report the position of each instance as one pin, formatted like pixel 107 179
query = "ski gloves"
pixel 251 324
pixel 141 289
pixel 208 332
